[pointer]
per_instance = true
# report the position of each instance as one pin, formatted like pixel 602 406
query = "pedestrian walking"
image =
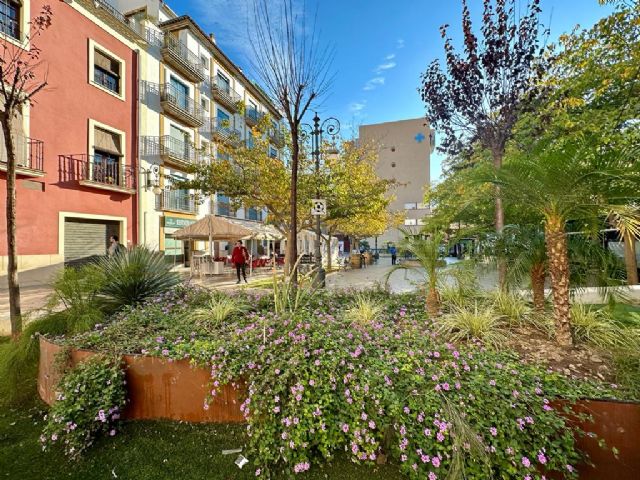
pixel 394 254
pixel 114 245
pixel 239 258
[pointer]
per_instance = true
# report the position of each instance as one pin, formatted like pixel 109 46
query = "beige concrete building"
pixel 404 150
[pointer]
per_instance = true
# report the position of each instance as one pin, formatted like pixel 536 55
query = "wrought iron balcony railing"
pixel 223 132
pixel 223 93
pixel 276 137
pixel 29 156
pixel 99 172
pixel 180 105
pixel 253 116
pixel 128 22
pixel 170 149
pixel 178 55
pixel 176 200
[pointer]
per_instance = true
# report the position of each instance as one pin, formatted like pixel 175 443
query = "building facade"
pixel 404 150
pixel 136 96
pixel 77 179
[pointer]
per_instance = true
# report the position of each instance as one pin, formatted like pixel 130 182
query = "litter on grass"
pixel 241 461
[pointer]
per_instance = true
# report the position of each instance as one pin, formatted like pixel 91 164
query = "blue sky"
pixel 381 47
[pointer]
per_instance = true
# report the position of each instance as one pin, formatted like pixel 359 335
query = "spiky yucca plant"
pixel 134 275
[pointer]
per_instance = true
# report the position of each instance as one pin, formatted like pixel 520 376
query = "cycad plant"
pixel 426 249
pixel 574 182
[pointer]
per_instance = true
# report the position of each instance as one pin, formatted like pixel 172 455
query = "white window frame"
pixel 410 222
pixel 93 45
pixel 25 18
pixel 123 140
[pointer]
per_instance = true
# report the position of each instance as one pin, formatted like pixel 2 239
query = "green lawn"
pixel 145 450
pixel 622 312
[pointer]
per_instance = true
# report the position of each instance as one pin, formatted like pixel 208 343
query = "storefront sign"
pixel 177 222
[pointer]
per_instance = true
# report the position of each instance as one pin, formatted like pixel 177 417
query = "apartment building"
pixel 137 94
pixel 193 99
pixel 77 179
pixel 404 150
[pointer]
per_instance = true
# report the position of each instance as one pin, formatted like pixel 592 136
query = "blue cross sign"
pixel 419 137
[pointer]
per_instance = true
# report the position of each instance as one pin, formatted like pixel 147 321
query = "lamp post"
pixel 331 126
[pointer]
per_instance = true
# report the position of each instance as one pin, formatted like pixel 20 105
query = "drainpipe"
pixel 142 233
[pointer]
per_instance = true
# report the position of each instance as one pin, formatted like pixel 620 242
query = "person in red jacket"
pixel 239 258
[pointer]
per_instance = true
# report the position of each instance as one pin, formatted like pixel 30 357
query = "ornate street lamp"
pixel 315 132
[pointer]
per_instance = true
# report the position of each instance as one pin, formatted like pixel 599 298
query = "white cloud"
pixel 385 66
pixel 373 83
pixel 400 43
pixel 357 107
pixel 391 56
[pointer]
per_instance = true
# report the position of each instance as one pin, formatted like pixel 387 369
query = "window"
pixel 180 142
pixel 205 104
pixel 106 70
pixel 410 206
pixel 273 153
pixel 105 166
pixel 410 221
pixel 181 92
pixel 205 63
pixel 223 82
pixel 10 18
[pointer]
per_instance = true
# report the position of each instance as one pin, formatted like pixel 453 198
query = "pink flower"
pixel 112 433
pixel 345 427
pixel 494 431
pixel 541 458
pixel 258 472
pixel 432 476
pixel 492 383
pixel 526 462
pixel 435 461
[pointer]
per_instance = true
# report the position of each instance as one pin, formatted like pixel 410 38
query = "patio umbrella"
pixel 212 228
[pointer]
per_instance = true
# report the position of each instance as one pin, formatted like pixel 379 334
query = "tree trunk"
pixel 328 251
pixel 12 252
pixel 292 240
pixel 630 261
pixel 558 258
pixel 433 302
pixel 537 286
pixel 499 221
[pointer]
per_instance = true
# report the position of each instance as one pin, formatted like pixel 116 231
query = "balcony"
pixel 276 137
pixel 225 95
pixel 29 156
pixel 171 150
pixel 252 116
pixel 124 24
pixel 176 54
pixel 176 201
pixel 97 172
pixel 180 106
pixel 221 131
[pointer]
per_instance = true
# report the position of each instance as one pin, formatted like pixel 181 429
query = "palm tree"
pixel 581 183
pixel 427 253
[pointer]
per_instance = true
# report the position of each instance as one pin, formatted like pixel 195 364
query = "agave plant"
pixel 427 253
pixel 134 275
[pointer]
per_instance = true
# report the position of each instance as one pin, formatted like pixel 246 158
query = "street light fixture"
pixel 330 126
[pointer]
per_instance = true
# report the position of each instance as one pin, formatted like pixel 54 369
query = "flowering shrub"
pixel 89 399
pixel 318 383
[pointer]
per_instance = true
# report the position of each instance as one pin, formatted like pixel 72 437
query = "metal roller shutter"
pixel 85 239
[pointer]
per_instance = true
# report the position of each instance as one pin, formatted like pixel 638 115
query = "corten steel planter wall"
pixel 618 423
pixel 175 390
pixel 156 388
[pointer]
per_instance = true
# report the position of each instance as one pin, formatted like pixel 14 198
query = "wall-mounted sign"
pixel 177 222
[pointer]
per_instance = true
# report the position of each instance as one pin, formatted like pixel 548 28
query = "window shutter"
pixel 106 63
pixel 107 141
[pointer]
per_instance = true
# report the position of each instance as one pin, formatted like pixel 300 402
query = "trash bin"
pixel 355 260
